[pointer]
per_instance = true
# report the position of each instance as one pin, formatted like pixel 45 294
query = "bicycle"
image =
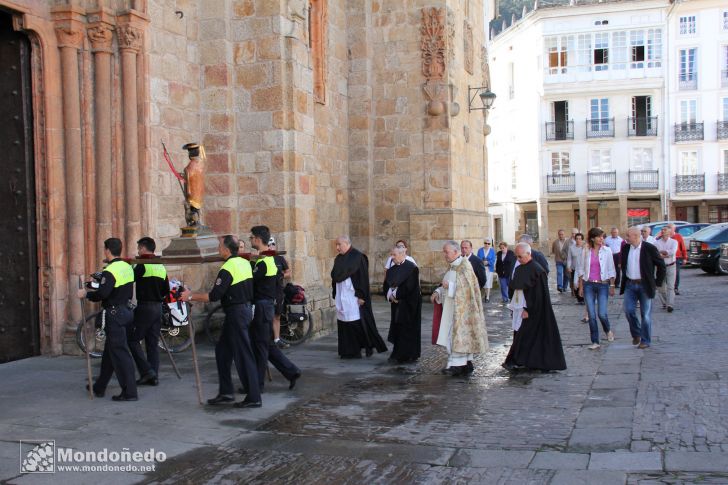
pixel 176 334
pixel 296 323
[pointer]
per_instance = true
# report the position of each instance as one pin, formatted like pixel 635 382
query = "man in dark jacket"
pixel 504 261
pixel 643 270
pixel 535 255
pixel 466 247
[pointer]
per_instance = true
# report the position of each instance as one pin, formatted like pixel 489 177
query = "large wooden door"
pixel 19 329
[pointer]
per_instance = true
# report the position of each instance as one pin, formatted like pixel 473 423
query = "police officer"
pixel 152 287
pixel 265 282
pixel 234 288
pixel 114 293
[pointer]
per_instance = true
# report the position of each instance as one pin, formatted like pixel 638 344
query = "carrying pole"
pixel 88 342
pixel 198 381
pixel 171 359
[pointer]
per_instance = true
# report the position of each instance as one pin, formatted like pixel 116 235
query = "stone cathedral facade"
pixel 319 118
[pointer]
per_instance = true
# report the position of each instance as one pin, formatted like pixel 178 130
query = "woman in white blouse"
pixel 596 275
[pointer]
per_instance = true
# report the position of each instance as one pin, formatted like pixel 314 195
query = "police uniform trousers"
pixel 147 325
pixel 234 346
pixel 281 363
pixel 260 334
pixel 116 357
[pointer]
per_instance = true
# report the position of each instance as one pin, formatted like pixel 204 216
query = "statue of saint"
pixel 194 175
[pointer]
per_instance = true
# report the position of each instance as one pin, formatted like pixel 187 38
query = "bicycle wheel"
pixel 178 338
pixel 99 337
pixel 295 332
pixel 213 324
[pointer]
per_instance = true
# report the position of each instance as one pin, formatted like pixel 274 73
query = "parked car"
pixel 723 259
pixel 688 231
pixel 657 226
pixel 704 250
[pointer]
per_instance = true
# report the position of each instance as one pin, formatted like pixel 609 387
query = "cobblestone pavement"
pixel 616 415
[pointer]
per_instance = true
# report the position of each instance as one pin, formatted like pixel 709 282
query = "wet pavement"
pixel 616 415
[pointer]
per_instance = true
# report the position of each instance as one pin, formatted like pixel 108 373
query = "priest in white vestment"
pixel 462 327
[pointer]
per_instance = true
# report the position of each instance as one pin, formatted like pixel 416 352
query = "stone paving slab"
pixel 555 460
pixel 590 477
pixel 697 462
pixel 600 439
pixel 605 416
pixel 626 461
pixel 492 458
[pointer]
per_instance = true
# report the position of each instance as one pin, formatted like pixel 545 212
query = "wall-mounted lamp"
pixel 487 97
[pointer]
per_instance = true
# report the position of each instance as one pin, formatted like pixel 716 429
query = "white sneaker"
pixel 594 347
pixel 610 336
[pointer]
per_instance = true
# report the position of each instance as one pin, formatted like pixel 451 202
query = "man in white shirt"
pixel 614 242
pixel 667 246
pixel 647 236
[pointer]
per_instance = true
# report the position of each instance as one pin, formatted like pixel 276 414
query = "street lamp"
pixel 487 98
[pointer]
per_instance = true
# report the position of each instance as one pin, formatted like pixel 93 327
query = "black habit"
pixel 353 336
pixel 404 329
pixel 537 344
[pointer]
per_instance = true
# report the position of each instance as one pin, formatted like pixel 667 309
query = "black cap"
pixel 191 146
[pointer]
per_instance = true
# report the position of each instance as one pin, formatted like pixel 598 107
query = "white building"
pixel 697 89
pixel 581 116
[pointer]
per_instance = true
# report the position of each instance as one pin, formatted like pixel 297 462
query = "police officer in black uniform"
pixel 265 281
pixel 234 289
pixel 114 293
pixel 152 286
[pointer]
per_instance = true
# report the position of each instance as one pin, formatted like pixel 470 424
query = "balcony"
pixel 560 183
pixel 690 84
pixel 723 182
pixel 559 130
pixel 689 183
pixel 724 78
pixel 642 126
pixel 644 180
pixel 600 128
pixel 689 131
pixel 601 181
pixel 722 130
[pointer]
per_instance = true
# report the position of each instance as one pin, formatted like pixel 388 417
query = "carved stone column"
pixel 130 36
pixel 100 35
pixel 69 32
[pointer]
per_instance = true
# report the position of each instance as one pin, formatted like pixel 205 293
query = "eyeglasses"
pixel 487 244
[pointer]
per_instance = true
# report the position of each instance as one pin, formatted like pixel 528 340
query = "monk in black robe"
pixel 402 289
pixel 537 342
pixel 350 288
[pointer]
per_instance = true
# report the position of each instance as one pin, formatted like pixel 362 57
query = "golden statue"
pixel 194 188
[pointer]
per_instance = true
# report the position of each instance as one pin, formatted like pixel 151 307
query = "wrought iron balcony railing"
pixel 644 179
pixel 642 126
pixel 723 182
pixel 689 131
pixel 600 128
pixel 556 183
pixel 688 84
pixel 559 130
pixel 690 183
pixel 601 181
pixel 722 129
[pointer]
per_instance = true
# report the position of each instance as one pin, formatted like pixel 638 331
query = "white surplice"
pixel 517 305
pixel 347 304
pixel 447 298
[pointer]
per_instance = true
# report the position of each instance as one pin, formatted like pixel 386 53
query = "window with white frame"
pixel 600 160
pixel 557 53
pixel 619 50
pixel 725 109
pixel 725 160
pixel 687 25
pixel 637 49
pixel 688 68
pixel 641 159
pixel 725 20
pixel 560 163
pixel 599 114
pixel 688 111
pixel 601 51
pixel 724 66
pixel 688 163
pixel 584 52
pixel 654 47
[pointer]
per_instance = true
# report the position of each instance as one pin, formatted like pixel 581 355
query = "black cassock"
pixel 537 344
pixel 405 326
pixel 361 334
